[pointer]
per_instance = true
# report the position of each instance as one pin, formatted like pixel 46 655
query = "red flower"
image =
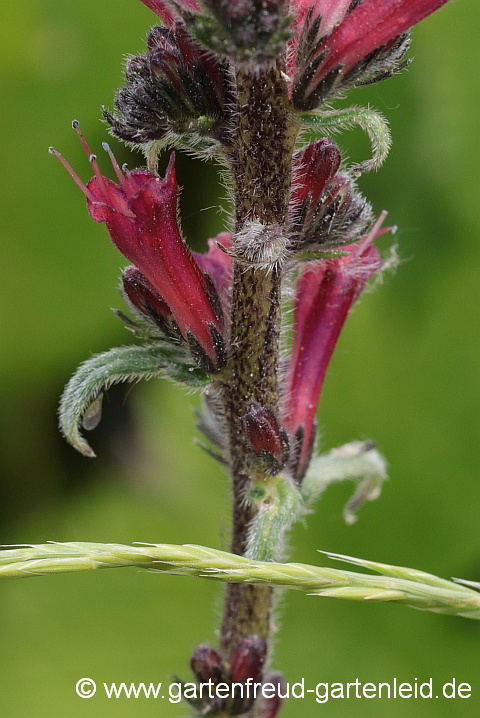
pixel 164 9
pixel 324 296
pixel 314 169
pixel 325 208
pixel 267 438
pixel 141 217
pixel 357 42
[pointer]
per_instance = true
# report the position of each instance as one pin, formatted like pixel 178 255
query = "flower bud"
pixel 267 439
pixel 176 88
pixel 146 300
pixel 314 168
pixel 271 706
pixel 248 660
pixel 340 216
pixel 207 664
pixel 247 668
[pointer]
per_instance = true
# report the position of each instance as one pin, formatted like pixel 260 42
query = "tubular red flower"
pixel 370 25
pixel 325 294
pixel 335 37
pixel 141 217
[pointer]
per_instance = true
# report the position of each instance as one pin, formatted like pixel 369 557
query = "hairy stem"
pixel 261 161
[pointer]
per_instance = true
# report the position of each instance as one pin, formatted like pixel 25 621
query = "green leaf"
pixel 81 399
pixel 371 121
pixel 357 460
pixel 279 504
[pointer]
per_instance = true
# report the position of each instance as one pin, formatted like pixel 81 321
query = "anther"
pixel 114 162
pixel 72 173
pixel 98 175
pixel 76 127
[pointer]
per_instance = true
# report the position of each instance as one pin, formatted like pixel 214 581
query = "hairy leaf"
pixel 357 460
pixel 371 121
pixel 80 400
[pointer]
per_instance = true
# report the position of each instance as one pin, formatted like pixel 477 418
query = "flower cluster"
pixel 179 88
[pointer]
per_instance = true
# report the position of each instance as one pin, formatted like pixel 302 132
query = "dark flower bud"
pixel 248 660
pixel 267 438
pixel 145 299
pixel 207 664
pixel 176 88
pixel 340 216
pixel 271 706
pixel 314 167
pixel 247 667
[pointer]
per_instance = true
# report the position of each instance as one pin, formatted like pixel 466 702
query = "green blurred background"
pixel 405 374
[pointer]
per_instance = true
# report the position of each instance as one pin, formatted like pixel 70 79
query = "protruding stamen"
pixel 98 175
pixel 393 230
pixel 376 230
pixel 114 162
pixel 72 174
pixel 76 127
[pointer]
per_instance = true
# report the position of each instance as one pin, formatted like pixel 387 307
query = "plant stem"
pixel 261 163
